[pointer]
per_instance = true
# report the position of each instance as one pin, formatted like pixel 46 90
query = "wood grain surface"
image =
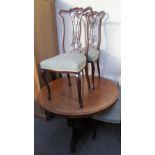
pixel 64 100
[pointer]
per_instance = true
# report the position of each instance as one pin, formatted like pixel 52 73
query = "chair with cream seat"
pixel 69 62
pixel 94 39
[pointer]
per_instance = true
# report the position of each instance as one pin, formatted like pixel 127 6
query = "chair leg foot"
pixel 98 67
pixel 93 71
pixel 78 82
pixel 81 105
pixel 69 80
pixel 46 83
pixel 87 77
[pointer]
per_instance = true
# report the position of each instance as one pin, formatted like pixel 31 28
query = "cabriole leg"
pixel 69 80
pixel 78 82
pixel 93 71
pixel 98 67
pixel 46 83
pixel 87 77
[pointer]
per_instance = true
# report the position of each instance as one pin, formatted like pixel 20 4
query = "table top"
pixel 64 100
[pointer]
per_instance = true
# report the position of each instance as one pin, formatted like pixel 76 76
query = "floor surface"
pixel 53 138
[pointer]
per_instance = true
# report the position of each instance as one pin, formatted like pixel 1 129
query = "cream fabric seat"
pixel 70 62
pixel 93 54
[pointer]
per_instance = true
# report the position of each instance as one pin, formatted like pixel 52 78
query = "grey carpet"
pixel 53 138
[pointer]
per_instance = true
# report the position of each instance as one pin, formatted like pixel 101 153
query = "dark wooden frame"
pixel 79 11
pixel 100 15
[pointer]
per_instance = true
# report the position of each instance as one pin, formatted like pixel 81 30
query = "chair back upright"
pixel 95 23
pixel 75 16
pixel 85 20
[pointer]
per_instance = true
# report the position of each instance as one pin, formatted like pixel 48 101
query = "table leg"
pixel 75 139
pixel 94 127
pixel 79 127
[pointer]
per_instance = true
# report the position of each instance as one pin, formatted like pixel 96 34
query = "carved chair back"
pixel 95 23
pixel 75 17
pixel 85 20
pixel 92 21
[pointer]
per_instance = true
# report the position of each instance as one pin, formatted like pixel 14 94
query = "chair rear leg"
pixel 46 83
pixel 87 77
pixel 69 80
pixel 60 75
pixel 53 76
pixel 93 71
pixel 98 67
pixel 78 82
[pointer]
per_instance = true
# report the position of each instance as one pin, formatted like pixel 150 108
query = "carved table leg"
pixel 49 116
pixel 74 140
pixel 94 126
pixel 79 127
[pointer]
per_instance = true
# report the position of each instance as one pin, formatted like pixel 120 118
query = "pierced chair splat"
pixel 94 39
pixel 68 62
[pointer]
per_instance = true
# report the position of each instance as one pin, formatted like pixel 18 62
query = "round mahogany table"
pixel 64 102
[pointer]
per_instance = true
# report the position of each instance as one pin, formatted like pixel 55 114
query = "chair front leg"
pixel 87 77
pixel 69 80
pixel 82 73
pixel 78 82
pixel 46 83
pixel 93 71
pixel 98 67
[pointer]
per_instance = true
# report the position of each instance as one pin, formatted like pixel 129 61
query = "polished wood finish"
pixel 87 77
pixel 95 22
pixel 75 15
pixel 65 99
pixel 98 67
pixel 93 72
pixel 78 82
pixel 46 83
pixel 69 81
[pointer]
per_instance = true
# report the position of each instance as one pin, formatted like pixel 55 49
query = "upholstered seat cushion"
pixel 93 54
pixel 71 62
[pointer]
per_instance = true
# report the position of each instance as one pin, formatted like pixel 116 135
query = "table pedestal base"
pixel 64 103
pixel 79 127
